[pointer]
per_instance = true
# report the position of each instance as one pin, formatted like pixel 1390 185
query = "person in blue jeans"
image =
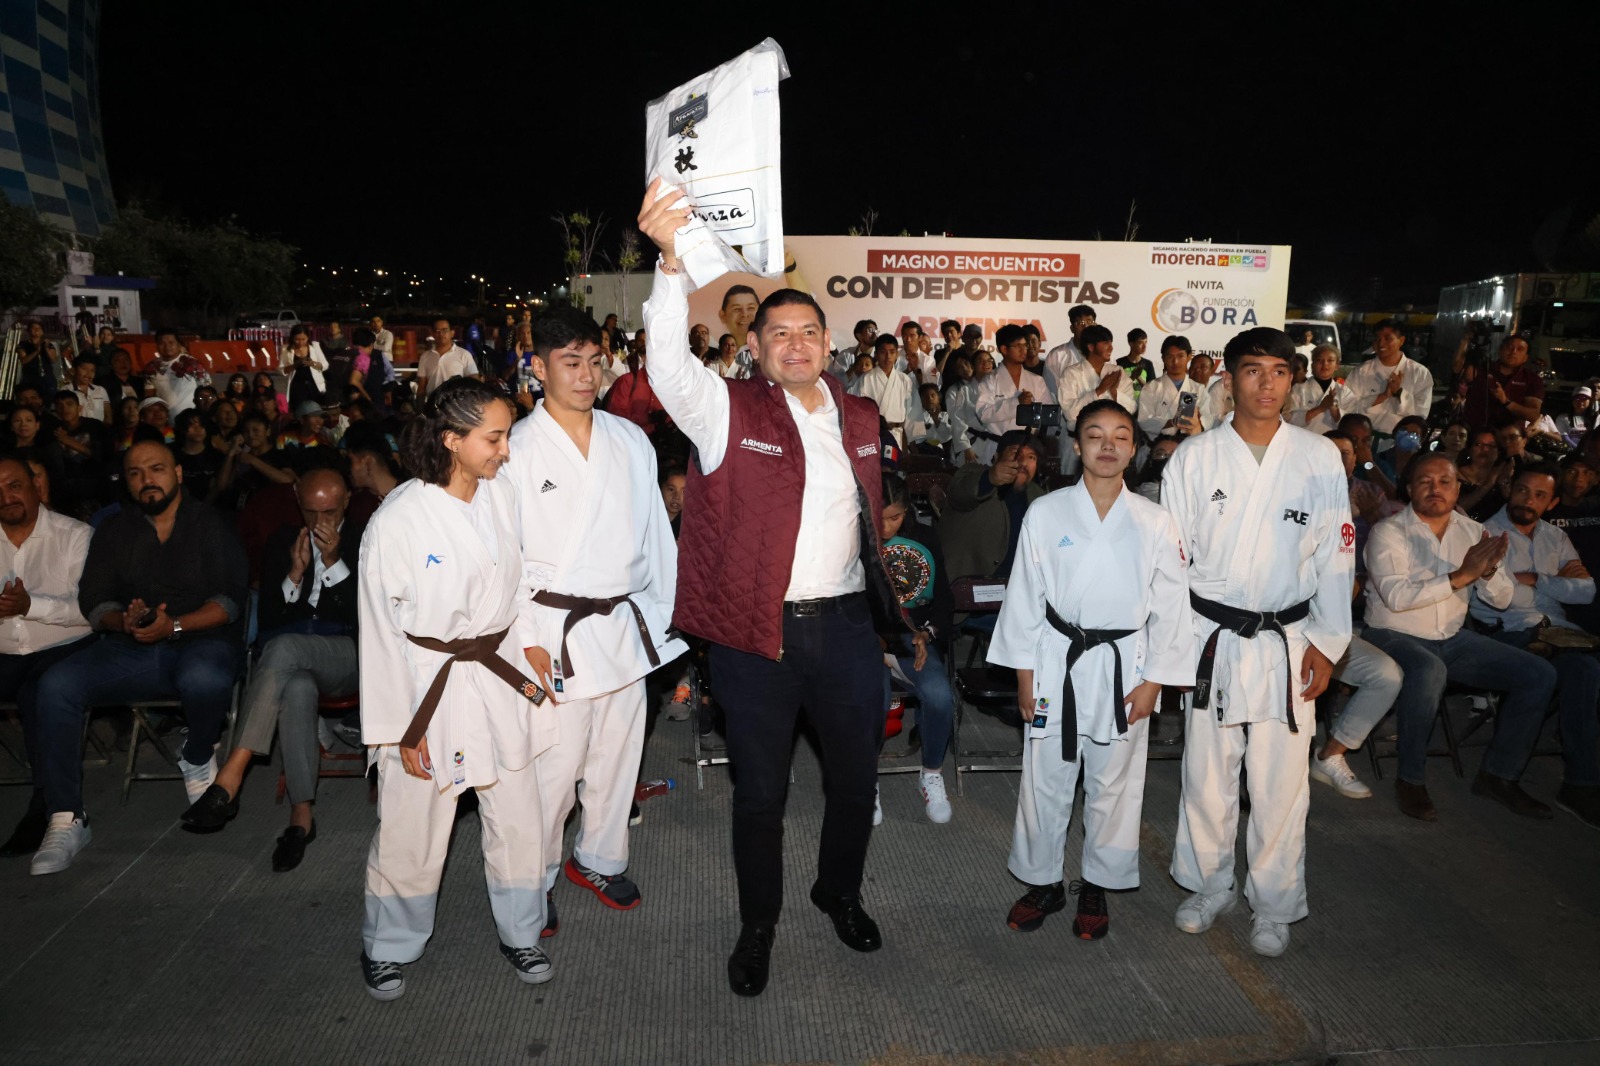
pixel 1421 564
pixel 915 559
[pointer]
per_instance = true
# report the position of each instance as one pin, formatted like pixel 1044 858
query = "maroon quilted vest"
pixel 740 523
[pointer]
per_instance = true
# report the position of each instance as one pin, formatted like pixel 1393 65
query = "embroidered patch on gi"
pixel 1347 539
pixel 1064 542
pixel 433 559
pixel 547 486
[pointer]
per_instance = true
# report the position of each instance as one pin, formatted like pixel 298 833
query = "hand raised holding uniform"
pixel 661 216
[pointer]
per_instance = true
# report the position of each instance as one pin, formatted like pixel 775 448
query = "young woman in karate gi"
pixel 1095 621
pixel 443 708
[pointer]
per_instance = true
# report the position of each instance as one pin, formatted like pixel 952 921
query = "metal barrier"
pixel 276 337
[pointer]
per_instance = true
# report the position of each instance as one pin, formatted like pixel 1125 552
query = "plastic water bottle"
pixel 645 789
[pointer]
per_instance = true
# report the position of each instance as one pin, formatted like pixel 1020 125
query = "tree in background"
pixel 580 234
pixel 206 274
pixel 30 258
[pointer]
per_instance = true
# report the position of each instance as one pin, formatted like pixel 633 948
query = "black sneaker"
pixel 1092 921
pixel 552 924
pixel 617 892
pixel 384 979
pixel 1039 903
pixel 532 964
pixel 634 817
pixel 1582 802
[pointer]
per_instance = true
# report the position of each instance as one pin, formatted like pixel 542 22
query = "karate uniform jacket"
pixel 426 570
pixel 597 528
pixel 1264 537
pixel 1125 572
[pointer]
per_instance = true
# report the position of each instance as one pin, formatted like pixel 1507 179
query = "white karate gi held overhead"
pixel 1266 536
pixel 1123 572
pixel 716 138
pixel 594 528
pixel 435 567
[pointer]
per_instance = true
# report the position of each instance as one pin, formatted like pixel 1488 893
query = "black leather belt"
pixel 1082 640
pixel 1249 625
pixel 813 608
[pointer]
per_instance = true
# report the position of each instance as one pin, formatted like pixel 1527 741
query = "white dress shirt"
pixel 1544 553
pixel 1408 576
pixel 1158 403
pixel 1372 378
pixel 322 576
pixel 827 557
pixel 455 363
pixel 49 562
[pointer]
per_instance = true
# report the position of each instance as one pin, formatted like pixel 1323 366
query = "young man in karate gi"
pixel 1265 517
pixel 1095 621
pixel 599 573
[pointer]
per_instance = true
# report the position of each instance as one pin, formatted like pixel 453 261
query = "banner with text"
pixel 1206 292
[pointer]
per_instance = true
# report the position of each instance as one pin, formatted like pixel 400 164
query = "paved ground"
pixel 1473 940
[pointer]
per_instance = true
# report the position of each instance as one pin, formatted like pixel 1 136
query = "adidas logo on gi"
pixel 1218 496
pixel 1065 542
pixel 547 486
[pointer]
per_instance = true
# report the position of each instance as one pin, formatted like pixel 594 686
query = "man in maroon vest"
pixel 783 506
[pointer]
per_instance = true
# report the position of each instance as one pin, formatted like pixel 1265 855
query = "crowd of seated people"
pixel 163 525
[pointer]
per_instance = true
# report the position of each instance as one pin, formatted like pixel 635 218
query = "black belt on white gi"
pixel 1082 640
pixel 1249 625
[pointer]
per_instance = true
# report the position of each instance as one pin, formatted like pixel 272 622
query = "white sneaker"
pixel 934 799
pixel 1196 913
pixel 1268 938
pixel 68 834
pixel 196 779
pixel 1336 772
pixel 877 807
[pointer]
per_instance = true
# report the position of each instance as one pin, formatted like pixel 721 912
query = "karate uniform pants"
pixel 1208 812
pixel 408 852
pixel 599 745
pixel 1113 802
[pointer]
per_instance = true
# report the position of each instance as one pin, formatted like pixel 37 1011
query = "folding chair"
pixel 143 728
pixel 24 774
pixel 1441 718
pixel 980 684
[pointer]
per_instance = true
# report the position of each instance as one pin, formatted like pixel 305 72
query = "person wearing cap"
pixel 309 429
pixel 985 505
pixel 155 413
pixel 1572 426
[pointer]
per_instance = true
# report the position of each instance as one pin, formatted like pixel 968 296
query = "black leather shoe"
pixel 211 811
pixel 292 848
pixel 855 928
pixel 751 959
pixel 1509 793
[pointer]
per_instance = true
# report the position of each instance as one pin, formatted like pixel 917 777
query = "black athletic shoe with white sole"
pixel 532 964
pixel 384 979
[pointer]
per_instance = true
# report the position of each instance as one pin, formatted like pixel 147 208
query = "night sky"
pixel 439 138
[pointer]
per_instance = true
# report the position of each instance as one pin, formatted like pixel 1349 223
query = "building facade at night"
pixel 52 154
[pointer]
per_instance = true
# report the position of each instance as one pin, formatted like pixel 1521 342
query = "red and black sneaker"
pixel 1041 901
pixel 552 924
pixel 1092 921
pixel 617 892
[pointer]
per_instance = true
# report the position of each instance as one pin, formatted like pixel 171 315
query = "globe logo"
pixel 1168 310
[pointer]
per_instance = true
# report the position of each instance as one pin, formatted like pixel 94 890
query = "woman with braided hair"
pixel 444 708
